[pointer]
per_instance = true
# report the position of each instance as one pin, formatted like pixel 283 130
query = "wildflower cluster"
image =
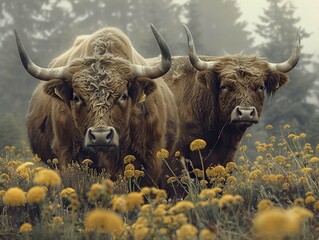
pixel 270 191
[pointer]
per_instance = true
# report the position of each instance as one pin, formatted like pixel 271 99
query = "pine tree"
pixel 216 27
pixel 290 105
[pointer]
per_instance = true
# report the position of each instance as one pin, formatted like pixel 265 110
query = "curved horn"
pixel 291 62
pixel 194 59
pixel 36 71
pixel 165 65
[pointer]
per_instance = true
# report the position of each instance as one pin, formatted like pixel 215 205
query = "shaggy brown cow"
pixel 220 97
pixel 98 101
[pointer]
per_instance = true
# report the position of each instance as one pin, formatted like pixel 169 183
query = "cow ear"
pixel 140 88
pixel 207 78
pixel 58 89
pixel 274 81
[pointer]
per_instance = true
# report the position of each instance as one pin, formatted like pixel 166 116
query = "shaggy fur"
pixel 102 93
pixel 205 100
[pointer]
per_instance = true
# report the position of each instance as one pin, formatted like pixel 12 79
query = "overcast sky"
pixel 306 10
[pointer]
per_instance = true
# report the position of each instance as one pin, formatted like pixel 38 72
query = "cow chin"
pixel 242 125
pixel 107 161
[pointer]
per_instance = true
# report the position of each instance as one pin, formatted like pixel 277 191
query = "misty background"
pixel 265 27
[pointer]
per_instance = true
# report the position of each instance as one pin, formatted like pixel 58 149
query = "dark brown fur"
pixel 205 100
pixel 100 66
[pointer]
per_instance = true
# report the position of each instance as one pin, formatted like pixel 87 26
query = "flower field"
pixel 270 194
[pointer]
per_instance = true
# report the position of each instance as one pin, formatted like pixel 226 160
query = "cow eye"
pixel 223 87
pixel 261 88
pixel 123 97
pixel 75 98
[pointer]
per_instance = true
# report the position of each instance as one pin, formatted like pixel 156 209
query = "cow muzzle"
pixel 100 137
pixel 244 115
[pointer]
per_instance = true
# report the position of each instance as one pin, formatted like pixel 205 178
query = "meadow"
pixel 271 194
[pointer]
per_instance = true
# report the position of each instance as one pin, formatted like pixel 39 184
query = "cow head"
pixel 239 82
pixel 100 92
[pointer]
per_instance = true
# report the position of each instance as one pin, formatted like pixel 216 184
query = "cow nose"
pixel 100 136
pixel 244 114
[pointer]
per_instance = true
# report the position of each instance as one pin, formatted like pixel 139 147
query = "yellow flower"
pixel 203 182
pixel 226 200
pixel 25 228
pixel 55 161
pixel 296 138
pixel 141 232
pixel 95 192
pixel 286 126
pixel 197 144
pixel 4 177
pixel 306 156
pixel 24 166
pixel 129 158
pixel 291 136
pixel 87 162
pixel 160 210
pixel 280 159
pixel 134 200
pixel 314 160
pixel 264 204
pixel 310 199
pixel 2 192
pixel 118 204
pixel 14 197
pixel 254 175
pixel 309 193
pixel 243 148
pixel 206 234
pixel 67 192
pixel 57 220
pixel 146 209
pixel 130 166
pixel 35 158
pixel 218 171
pixel 108 185
pixel 146 191
pixel 128 173
pixel 36 194
pixel 248 135
pixel 207 193
pixel 182 206
pixel 269 127
pixel 278 223
pixel 299 201
pixel 160 195
pixel 306 170
pixel 303 135
pixel 47 177
pixel 163 153
pixel 230 166
pixel 177 153
pixel 186 232
pixel 316 206
pixel 171 179
pixel 286 186
pixel 104 222
pixel 198 172
pixel 231 180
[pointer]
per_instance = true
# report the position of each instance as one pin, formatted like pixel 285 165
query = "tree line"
pixel 49 27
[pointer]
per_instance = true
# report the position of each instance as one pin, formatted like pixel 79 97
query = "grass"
pixel 269 192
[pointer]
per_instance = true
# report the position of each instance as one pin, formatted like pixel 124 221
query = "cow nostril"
pixel 252 113
pixel 91 135
pixel 110 134
pixel 239 113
